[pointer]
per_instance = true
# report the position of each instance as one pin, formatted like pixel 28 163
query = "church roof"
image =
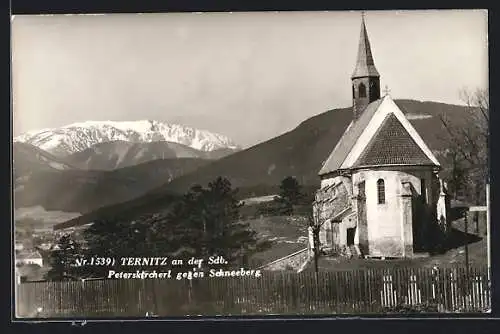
pixel 392 145
pixel 380 136
pixel 365 66
pixel 349 138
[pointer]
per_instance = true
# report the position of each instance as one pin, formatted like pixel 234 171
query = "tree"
pixel 316 219
pixel 63 258
pixel 150 235
pixel 211 222
pixel 204 222
pixel 454 171
pixel 468 146
pixel 290 194
pixel 315 226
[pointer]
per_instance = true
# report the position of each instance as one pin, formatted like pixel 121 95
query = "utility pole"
pixel 316 256
pixel 316 250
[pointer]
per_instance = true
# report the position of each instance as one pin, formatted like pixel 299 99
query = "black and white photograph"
pixel 258 164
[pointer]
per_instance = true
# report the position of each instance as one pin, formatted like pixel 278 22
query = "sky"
pixel 249 76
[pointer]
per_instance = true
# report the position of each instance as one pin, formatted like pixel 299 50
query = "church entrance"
pixel 421 238
pixel 350 236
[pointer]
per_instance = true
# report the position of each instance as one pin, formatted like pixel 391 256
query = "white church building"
pixel 380 195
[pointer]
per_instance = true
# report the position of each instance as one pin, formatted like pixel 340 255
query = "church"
pixel 380 194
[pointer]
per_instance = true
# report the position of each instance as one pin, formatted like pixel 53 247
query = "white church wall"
pixel 384 220
pixel 385 229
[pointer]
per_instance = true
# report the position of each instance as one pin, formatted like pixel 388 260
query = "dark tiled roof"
pixel 349 138
pixel 392 144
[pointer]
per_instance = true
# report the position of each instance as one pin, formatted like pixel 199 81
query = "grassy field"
pixel 452 258
pixel 287 234
pixel 477 249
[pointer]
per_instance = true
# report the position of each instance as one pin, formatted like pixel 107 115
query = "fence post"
pixel 453 294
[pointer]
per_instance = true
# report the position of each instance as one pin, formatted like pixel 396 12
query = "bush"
pixel 429 307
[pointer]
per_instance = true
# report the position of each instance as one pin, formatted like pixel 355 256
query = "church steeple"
pixel 365 78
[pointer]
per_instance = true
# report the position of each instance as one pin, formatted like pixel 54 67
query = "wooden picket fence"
pixel 274 293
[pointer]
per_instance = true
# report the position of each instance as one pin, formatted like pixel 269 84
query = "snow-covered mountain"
pixel 77 137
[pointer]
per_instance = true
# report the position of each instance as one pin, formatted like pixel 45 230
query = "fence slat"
pixel 355 291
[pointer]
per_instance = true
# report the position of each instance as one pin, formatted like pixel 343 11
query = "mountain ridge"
pixel 77 137
pixel 82 191
pixel 118 154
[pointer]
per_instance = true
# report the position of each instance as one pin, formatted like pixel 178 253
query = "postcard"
pixel 250 164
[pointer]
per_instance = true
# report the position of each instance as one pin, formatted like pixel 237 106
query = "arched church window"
pixel 381 191
pixel 362 90
pixel 353 92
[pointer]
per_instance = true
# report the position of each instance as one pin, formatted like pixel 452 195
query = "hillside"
pixel 300 152
pixel 83 191
pixel 29 159
pixel 119 154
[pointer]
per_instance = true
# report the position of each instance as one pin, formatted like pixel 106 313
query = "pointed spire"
pixel 365 66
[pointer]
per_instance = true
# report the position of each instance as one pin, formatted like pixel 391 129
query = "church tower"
pixel 365 79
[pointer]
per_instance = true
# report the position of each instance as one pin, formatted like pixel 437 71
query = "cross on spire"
pixel 386 90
